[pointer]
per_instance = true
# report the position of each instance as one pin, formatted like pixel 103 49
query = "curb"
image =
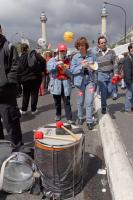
pixel 119 169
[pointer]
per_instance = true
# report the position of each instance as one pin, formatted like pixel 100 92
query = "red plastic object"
pixel 38 135
pixel 116 79
pixel 59 124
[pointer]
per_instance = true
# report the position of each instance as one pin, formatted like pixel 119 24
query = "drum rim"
pixel 54 147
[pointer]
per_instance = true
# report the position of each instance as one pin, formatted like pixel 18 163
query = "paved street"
pixel 94 183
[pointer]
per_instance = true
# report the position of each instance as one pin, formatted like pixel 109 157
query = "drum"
pixel 60 163
pixel 18 173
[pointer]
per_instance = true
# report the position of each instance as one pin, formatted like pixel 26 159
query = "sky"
pixel 21 18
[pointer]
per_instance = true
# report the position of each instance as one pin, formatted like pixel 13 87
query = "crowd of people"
pixel 87 71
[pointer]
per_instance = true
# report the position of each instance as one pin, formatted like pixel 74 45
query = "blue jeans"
pixel 129 97
pixel 114 90
pixel 85 93
pixel 105 87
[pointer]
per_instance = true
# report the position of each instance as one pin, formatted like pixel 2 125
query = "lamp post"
pixel 125 14
pixel 43 20
pixel 104 15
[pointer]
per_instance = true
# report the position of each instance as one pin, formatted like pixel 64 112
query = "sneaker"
pixel 90 126
pixel 23 112
pixel 123 88
pixel 34 112
pixel 80 121
pixel 95 120
pixel 103 111
pixel 57 118
pixel 70 122
pixel 114 98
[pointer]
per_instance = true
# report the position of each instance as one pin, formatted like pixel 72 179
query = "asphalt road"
pixel 94 183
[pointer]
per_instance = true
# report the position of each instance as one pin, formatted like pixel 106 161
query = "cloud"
pixel 81 17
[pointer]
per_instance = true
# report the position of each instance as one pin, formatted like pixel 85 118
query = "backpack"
pixel 31 66
pixel 36 62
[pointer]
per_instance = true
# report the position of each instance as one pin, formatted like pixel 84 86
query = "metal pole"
pixel 125 14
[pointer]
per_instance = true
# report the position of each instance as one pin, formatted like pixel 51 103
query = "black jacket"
pixel 29 72
pixel 128 69
pixel 8 68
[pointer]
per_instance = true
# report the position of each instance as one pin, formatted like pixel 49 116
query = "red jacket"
pixel 60 70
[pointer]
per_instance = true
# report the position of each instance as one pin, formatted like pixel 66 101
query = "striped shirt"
pixel 107 61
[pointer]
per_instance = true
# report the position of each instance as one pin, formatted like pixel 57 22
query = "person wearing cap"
pixel 85 80
pixel 9 111
pixel 60 82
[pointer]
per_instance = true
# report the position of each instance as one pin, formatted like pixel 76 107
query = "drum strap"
pixel 3 169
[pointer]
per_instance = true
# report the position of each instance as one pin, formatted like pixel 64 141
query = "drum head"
pixel 18 174
pixel 56 143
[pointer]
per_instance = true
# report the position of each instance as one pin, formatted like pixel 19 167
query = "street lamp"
pixel 125 14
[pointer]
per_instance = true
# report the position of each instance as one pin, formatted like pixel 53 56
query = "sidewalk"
pixel 116 132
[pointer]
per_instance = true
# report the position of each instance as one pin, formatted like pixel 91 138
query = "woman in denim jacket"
pixel 84 69
pixel 60 82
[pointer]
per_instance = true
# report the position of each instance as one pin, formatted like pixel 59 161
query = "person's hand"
pixel 115 74
pixel 84 63
pixel 93 66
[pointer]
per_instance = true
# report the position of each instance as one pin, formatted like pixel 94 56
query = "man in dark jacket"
pixel 9 112
pixel 31 66
pixel 128 78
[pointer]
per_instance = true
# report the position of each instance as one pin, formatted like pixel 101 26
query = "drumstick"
pixel 58 138
pixel 40 135
pixel 59 124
